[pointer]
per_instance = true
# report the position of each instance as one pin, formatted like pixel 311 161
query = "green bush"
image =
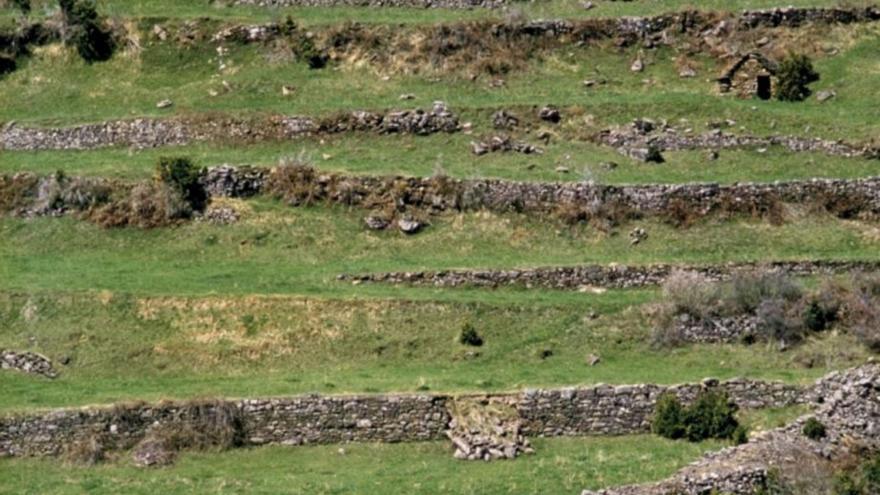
pixel 711 415
pixel 92 40
pixel 818 317
pixel 23 5
pixel 469 336
pixel 814 429
pixel 668 417
pixel 795 73
pixel 740 435
pixel 862 480
pixel 182 175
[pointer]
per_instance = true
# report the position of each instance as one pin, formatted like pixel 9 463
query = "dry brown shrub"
pixel 296 184
pixel 842 205
pixel 87 451
pixel 146 205
pixel 767 207
pixel 202 425
pixel 681 214
pixel 16 191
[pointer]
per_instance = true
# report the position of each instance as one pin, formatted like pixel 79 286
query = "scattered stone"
pixel 288 90
pixel 504 143
pixel 637 235
pixel 593 360
pixel 502 119
pixel 219 215
pixel 561 170
pixel 409 226
pixel 151 452
pixel 587 5
pixel 408 96
pixel 165 104
pixel 712 155
pixel 826 95
pixel 550 114
pixel 376 223
pixel 687 72
pixel 638 65
pixel 647 153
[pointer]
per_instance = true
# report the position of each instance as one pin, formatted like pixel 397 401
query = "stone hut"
pixel 758 80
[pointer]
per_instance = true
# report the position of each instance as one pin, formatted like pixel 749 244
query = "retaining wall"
pixel 156 132
pixel 599 410
pixel 610 276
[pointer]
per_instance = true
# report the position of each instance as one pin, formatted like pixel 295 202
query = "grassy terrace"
pixel 54 87
pixel 451 154
pixel 176 312
pixel 561 466
pixel 317 16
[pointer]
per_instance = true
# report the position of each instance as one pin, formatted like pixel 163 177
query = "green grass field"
pixel 254 309
pixel 317 16
pixel 562 466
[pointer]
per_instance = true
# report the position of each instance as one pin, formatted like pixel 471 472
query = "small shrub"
pixel 668 419
pixel 747 290
pixel 740 435
pixel 24 6
pixel 712 415
pixel 469 336
pixel 182 175
pixel 814 429
pixel 777 323
pixel 690 293
pixel 92 40
pixel 147 205
pixel 202 426
pixel 294 183
pixel 818 317
pixel 795 74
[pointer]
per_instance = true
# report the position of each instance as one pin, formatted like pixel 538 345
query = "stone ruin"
pixel 486 429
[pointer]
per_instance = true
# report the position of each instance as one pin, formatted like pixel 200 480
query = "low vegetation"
pixel 711 416
pixel 784 310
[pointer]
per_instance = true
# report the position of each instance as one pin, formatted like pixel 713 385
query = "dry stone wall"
pixel 425 4
pixel 444 193
pixel 152 133
pixel 643 133
pixel 599 410
pixel 609 276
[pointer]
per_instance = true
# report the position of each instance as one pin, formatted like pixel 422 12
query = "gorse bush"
pixel 795 74
pixel 712 415
pixel 182 175
pixel 814 429
pixel 668 417
pixel 24 6
pixel 86 31
pixel 469 336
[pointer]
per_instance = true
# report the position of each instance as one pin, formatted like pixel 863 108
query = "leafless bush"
pixel 210 425
pixel 690 293
pixel 746 290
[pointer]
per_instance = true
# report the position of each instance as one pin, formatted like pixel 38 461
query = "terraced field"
pixel 356 247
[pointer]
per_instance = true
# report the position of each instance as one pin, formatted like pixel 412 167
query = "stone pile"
pixel 608 276
pixel 482 429
pixel 715 330
pixel 27 362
